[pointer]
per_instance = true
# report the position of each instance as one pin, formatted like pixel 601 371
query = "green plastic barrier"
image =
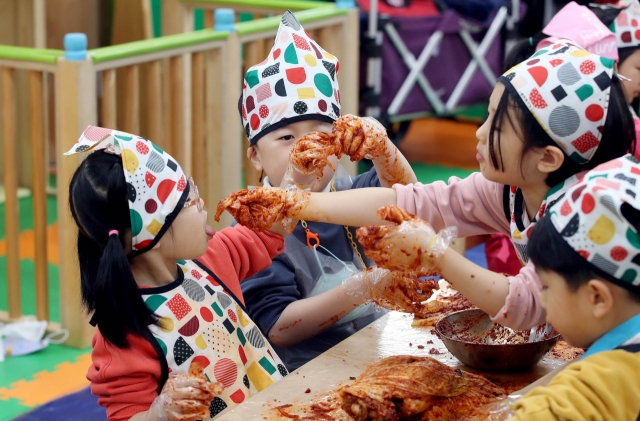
pixel 135 48
pixel 38 55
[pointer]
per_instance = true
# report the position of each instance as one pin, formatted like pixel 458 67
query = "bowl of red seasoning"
pixel 476 341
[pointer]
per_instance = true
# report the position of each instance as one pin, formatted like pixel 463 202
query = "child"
pixel 586 254
pixel 141 227
pixel 299 301
pixel 581 25
pixel 550 118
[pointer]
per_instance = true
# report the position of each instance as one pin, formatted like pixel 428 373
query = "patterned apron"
pixel 201 321
pixel 516 214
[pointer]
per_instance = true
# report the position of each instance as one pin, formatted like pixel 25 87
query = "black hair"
pixel 522 50
pixel 550 252
pixel 618 134
pixel 98 198
pixel 624 53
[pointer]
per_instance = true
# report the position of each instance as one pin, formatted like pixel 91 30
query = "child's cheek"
pixel 543 299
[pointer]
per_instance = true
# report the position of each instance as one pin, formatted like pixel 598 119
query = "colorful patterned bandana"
pixel 626 26
pixel 297 81
pixel 156 184
pixel 519 223
pixel 567 90
pixel 599 218
pixel 582 26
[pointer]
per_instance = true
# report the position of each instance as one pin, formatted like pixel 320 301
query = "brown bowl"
pixel 464 332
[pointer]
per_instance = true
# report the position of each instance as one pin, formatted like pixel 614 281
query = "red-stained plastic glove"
pixel 399 291
pixel 185 397
pixel 411 244
pixel 358 137
pixel 361 137
pixel 258 209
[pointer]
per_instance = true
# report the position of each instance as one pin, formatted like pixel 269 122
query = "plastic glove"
pixel 185 397
pixel 391 290
pixel 355 136
pixel 310 155
pixel 258 209
pixel 410 245
pixel 499 410
pixel 361 137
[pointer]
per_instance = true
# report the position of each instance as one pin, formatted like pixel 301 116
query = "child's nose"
pixel 481 133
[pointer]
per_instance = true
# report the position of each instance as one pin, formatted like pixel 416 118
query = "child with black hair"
pixel 158 305
pixel 586 254
pixel 602 29
pixel 299 302
pixel 551 118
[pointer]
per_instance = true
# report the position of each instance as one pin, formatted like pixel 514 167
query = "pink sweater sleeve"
pixel 522 310
pixel 636 122
pixel 474 205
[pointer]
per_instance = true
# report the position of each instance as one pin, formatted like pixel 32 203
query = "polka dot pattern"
pixel 217 406
pixel 300 107
pixel 181 351
pixel 536 99
pixel 179 307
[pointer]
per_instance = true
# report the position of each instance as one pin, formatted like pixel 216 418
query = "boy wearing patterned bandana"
pixel 158 309
pixel 298 302
pixel 587 254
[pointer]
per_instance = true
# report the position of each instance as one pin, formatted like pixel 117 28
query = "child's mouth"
pixel 210 231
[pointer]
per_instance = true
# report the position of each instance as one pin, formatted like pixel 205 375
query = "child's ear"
pixel 254 157
pixel 551 159
pixel 600 297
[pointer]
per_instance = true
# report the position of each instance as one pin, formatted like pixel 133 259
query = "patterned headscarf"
pixel 581 25
pixel 599 218
pixel 566 89
pixel 297 81
pixel 626 26
pixel 156 185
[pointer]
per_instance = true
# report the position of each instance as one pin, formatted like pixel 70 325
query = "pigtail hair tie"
pixel 114 232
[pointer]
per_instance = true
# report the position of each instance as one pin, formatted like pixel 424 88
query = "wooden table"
pixel 390 335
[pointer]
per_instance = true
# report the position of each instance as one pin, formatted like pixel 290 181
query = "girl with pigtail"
pixel 174 341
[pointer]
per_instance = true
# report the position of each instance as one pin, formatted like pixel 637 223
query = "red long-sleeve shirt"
pixel 126 380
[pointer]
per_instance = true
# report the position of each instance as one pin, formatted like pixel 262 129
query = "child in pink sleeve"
pixel 603 29
pixel 551 118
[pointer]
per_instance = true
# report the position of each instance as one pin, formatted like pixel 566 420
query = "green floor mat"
pixel 11 408
pixel 429 173
pixel 25 366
